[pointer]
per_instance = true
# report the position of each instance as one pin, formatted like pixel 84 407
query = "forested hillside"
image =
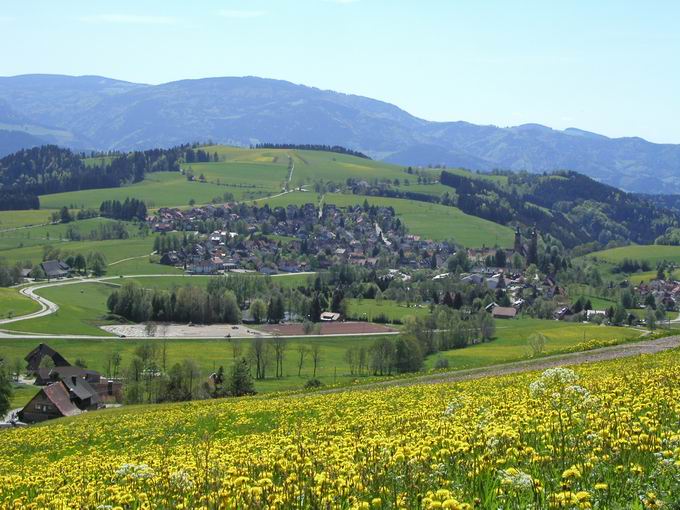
pixel 50 169
pixel 570 206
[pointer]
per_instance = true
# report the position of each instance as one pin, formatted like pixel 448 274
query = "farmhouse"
pixel 53 401
pixel 55 269
pixel 34 358
pixel 45 376
pixel 503 312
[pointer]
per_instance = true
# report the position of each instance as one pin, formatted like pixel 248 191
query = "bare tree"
pixel 236 349
pixel 280 346
pixel 260 355
pixel 302 351
pixel 316 356
pixel 352 358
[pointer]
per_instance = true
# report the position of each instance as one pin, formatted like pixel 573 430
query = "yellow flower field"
pixel 602 436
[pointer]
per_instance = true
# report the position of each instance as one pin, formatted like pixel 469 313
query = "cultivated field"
pixel 602 436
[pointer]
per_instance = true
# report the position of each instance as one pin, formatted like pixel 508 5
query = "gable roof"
pixel 55 267
pixel 57 373
pixel 60 398
pixel 42 350
pixel 81 389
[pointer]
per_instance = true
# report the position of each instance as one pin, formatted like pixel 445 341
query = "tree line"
pixel 50 169
pixel 128 210
pixel 310 147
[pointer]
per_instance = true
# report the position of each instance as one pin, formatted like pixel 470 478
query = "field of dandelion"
pixel 604 435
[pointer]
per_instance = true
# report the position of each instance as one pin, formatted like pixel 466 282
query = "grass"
pixel 510 343
pixel 651 253
pixel 159 189
pixel 15 219
pixel 253 176
pixel 81 310
pixel 431 221
pixel 208 354
pixel 82 306
pixel 22 394
pixel 113 250
pixel 52 234
pixel 13 304
pixel 369 309
pixel 140 264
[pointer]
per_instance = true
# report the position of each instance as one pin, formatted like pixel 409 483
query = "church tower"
pixel 518 241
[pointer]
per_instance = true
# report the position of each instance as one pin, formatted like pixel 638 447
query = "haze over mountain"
pixel 91 112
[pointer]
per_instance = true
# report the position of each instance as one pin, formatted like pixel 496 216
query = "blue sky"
pixel 608 66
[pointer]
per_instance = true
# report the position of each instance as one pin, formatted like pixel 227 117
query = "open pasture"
pixel 651 253
pixel 158 189
pixel 16 219
pixel 13 304
pixel 510 343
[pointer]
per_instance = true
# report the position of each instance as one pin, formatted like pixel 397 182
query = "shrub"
pixel 313 383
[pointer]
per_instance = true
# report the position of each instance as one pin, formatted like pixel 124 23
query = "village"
pixel 292 239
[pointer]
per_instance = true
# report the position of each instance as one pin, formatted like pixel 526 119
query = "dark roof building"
pixel 45 376
pixel 55 269
pixel 53 401
pixel 34 358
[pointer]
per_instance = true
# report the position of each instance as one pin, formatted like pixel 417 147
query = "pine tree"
pixel 241 382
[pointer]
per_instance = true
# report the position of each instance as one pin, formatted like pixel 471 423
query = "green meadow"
pixel 82 306
pixel 81 310
pixel 510 343
pixel 13 304
pixel 52 234
pixel 113 249
pixel 369 309
pixel 651 253
pixel 16 219
pixel 159 189
pixel 208 354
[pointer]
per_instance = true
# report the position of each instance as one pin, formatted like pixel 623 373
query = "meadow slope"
pixel 602 436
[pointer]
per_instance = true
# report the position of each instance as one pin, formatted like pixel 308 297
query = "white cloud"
pixel 130 19
pixel 241 14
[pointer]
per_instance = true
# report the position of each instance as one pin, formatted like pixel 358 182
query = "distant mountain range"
pixel 92 112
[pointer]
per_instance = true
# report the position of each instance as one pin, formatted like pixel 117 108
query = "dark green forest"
pixel 50 169
pixel 570 206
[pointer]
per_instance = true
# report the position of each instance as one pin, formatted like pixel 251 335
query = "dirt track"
pixel 577 358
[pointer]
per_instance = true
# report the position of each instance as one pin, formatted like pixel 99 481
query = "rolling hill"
pixel 91 112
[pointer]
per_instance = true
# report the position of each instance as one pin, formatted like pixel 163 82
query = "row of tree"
pixel 310 147
pixel 128 210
